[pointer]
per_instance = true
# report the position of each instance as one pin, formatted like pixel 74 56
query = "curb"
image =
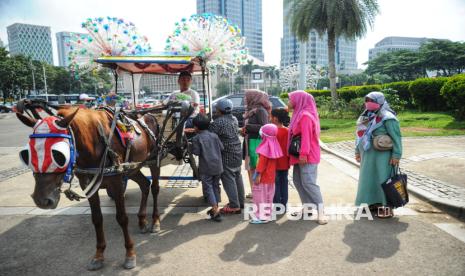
pixel 451 207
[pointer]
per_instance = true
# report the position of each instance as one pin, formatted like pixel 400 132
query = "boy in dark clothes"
pixel 227 129
pixel 208 147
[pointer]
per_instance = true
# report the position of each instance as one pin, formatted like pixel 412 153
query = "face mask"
pixel 371 106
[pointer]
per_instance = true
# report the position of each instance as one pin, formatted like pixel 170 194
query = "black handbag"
pixel 395 188
pixel 294 146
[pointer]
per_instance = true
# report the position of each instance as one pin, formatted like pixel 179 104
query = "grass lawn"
pixel 412 123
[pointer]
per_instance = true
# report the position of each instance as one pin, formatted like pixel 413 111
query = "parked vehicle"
pixel 6 108
pixel 239 106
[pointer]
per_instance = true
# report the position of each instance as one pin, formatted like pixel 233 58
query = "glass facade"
pixel 396 43
pixel 247 14
pixel 317 50
pixel 63 47
pixel 30 40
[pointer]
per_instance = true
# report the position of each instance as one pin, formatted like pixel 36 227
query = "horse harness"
pixel 117 118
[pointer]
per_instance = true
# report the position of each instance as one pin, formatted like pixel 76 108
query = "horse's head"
pixel 48 154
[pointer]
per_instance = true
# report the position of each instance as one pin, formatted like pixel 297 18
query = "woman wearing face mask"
pixel 376 166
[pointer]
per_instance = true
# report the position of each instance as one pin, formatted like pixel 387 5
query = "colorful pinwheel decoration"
pixel 211 37
pixel 289 76
pixel 106 36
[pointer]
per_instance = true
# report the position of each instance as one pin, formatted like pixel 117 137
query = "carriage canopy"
pixel 153 64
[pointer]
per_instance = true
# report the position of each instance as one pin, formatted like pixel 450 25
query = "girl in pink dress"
pixel 269 151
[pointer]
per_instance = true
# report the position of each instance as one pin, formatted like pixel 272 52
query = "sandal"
pixel 226 210
pixel 216 217
pixel 258 221
pixel 385 213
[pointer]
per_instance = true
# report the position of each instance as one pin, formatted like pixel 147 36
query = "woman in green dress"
pixel 376 166
pixel 258 110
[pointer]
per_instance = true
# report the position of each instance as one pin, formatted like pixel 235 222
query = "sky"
pixel 155 18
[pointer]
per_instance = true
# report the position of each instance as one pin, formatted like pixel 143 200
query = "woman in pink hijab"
pixel 269 151
pixel 306 124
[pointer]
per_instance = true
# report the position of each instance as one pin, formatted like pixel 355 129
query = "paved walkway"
pixel 435 167
pixel 421 239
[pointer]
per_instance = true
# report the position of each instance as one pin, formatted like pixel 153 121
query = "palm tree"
pixel 336 18
pixel 247 68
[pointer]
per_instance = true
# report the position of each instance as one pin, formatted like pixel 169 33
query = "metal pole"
pixel 33 78
pixel 203 65
pixel 45 84
pixel 116 82
pixel 302 65
pixel 133 91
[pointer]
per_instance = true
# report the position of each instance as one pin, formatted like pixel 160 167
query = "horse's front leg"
pixel 144 185
pixel 122 218
pixel 155 171
pixel 97 219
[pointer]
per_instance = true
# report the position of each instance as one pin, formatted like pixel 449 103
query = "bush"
pixel 426 94
pixel 394 100
pixel 454 93
pixel 363 90
pixel 315 94
pixel 402 88
pixel 356 106
pixel 347 93
pixel 319 93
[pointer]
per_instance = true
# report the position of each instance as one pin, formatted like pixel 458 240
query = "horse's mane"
pixel 85 126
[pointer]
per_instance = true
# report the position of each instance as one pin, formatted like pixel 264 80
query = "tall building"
pixel 395 43
pixel 1 43
pixel 317 50
pixel 63 39
pixel 247 14
pixel 30 40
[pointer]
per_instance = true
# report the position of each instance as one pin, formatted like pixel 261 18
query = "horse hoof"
pixel 145 229
pixel 95 264
pixel 130 262
pixel 155 228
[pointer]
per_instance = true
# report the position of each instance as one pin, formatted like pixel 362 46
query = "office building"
pixel 317 50
pixel 395 43
pixel 63 39
pixel 247 14
pixel 30 40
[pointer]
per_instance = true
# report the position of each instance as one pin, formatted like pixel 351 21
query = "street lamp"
pixel 45 83
pixel 33 77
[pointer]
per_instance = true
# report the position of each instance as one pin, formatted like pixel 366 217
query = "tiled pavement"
pixel 419 181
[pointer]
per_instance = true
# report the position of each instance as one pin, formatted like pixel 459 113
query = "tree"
pixel 336 18
pixel 247 68
pixel 238 82
pixel 444 56
pixel 270 74
pixel 222 88
pixel 400 65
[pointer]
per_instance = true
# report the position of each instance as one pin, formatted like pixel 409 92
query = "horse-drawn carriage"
pixel 91 145
pixel 172 139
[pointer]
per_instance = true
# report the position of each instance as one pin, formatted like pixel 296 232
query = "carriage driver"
pixel 186 93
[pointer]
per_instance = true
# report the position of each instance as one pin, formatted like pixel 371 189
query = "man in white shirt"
pixel 185 93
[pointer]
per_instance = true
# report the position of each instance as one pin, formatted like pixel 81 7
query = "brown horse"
pixel 90 148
